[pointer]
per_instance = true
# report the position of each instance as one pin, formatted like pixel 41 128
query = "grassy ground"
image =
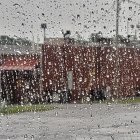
pixel 12 109
pixel 128 100
pixel 131 100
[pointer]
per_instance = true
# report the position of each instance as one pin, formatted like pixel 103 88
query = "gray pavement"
pixel 75 122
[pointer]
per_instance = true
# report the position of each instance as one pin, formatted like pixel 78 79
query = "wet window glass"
pixel 69 69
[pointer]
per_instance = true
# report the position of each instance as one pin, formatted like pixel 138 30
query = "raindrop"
pixel 38 117
pixel 79 24
pixel 16 4
pixel 130 8
pixel 56 113
pixel 78 16
pixel 32 137
pixel 25 136
pixel 84 5
pixel 132 26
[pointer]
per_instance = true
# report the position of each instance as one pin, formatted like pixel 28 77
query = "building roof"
pixel 19 63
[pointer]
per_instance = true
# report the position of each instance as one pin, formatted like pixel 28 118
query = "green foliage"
pixel 127 100
pixel 131 100
pixel 94 37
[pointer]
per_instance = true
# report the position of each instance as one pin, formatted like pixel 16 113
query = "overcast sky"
pixel 23 17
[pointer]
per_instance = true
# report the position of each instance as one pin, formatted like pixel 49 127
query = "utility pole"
pixel 43 26
pixel 117 21
pixel 117 54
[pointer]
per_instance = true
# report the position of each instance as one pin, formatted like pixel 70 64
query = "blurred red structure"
pixel 92 67
pixel 79 68
pixel 19 78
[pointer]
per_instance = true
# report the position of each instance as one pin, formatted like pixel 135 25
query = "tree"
pixel 6 40
pixel 95 37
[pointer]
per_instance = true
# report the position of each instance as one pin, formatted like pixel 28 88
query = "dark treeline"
pixel 6 40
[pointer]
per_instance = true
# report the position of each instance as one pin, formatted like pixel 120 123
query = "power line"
pixel 108 11
pixel 100 18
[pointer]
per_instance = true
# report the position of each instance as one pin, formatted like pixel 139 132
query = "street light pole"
pixel 66 36
pixel 128 27
pixel 43 26
pixel 33 45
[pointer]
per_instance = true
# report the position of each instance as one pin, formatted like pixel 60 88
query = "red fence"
pixel 92 67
